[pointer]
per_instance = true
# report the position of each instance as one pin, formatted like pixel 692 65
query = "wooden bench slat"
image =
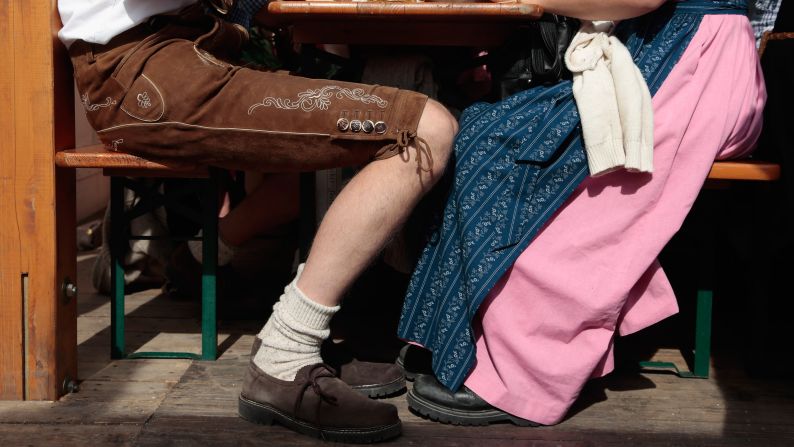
pixel 121 163
pixel 744 170
pixel 115 162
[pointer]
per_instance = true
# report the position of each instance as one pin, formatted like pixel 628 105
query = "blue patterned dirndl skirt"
pixel 516 162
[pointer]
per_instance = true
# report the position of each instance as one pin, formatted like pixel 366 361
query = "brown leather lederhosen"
pixel 164 90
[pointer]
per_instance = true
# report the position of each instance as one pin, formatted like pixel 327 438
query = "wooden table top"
pixel 401 11
pixel 400 23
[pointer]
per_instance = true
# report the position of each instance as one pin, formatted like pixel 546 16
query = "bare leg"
pixel 274 202
pixel 355 228
pixel 370 209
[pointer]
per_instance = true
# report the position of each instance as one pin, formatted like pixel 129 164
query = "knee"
pixel 438 127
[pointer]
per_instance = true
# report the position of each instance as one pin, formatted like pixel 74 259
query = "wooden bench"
pixel 744 170
pixel 123 170
pixel 722 172
pixel 119 164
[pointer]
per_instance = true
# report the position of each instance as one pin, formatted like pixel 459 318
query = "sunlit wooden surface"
pixel 37 204
pixel 123 164
pixel 745 170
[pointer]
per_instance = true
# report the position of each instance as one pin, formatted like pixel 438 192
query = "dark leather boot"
pixel 318 404
pixel 433 400
pixel 415 360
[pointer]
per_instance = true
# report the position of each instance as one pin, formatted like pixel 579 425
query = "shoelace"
pixel 317 371
pixel 404 139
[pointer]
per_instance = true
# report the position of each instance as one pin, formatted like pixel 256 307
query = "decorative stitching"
pixel 319 99
pixel 114 145
pixel 212 61
pixel 162 101
pixel 94 107
pixel 144 101
pixel 159 93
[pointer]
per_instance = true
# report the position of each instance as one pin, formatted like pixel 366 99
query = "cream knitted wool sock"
pixel 292 336
pixel 225 251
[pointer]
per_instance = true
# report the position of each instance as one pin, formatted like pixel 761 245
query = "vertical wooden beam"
pixel 11 340
pixel 39 223
pixel 64 137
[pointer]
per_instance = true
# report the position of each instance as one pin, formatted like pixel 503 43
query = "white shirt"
pixel 98 21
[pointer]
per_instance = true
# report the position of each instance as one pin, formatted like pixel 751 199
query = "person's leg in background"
pixel 271 201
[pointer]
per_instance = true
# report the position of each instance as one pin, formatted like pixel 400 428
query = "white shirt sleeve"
pixel 98 21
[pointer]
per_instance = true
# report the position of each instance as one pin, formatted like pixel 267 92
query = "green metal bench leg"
pixel 209 327
pixel 702 351
pixel 706 259
pixel 703 334
pixel 117 240
pixel 702 354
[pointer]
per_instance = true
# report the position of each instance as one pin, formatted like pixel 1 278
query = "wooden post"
pixel 38 333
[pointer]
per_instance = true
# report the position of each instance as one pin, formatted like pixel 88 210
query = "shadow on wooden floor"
pixel 179 402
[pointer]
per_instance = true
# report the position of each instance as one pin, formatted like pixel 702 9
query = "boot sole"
pixel 455 416
pixel 264 414
pixel 382 390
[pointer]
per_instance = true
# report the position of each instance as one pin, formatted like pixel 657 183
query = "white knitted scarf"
pixel 613 101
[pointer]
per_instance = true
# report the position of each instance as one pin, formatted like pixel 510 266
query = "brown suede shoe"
pixel 371 379
pixel 317 404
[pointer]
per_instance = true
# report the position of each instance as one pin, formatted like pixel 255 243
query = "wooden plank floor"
pixel 182 403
